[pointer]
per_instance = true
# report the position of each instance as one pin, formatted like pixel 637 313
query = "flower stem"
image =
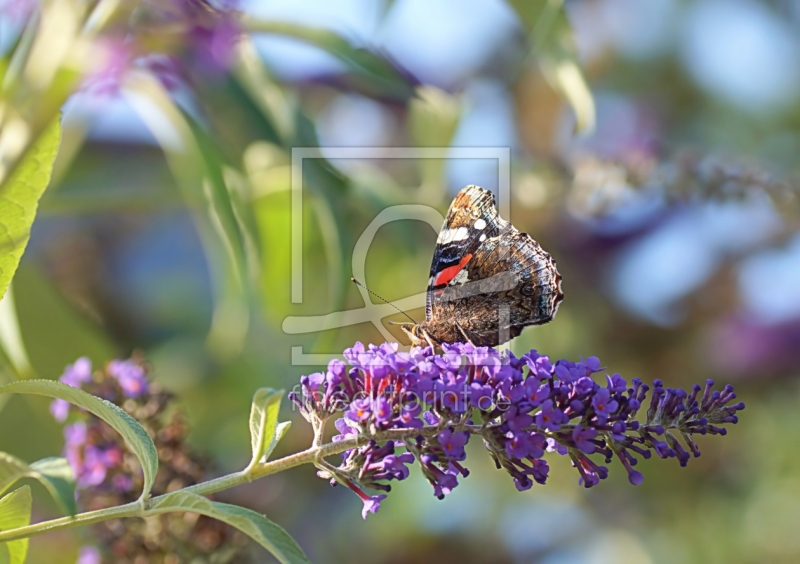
pixel 143 509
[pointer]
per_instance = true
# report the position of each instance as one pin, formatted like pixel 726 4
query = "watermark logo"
pixel 373 313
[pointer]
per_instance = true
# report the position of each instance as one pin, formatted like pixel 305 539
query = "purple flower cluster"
pixel 107 474
pixel 91 453
pixel 430 405
pixel 178 41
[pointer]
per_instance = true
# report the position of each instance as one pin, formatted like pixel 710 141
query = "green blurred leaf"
pixel 278 107
pixel 433 117
pixel 54 473
pixel 15 511
pixel 273 214
pixel 19 198
pixel 432 120
pixel 227 234
pixel 134 434
pixel 554 47
pixel 51 328
pixel 263 422
pixel 11 337
pixel 269 535
pixel 373 73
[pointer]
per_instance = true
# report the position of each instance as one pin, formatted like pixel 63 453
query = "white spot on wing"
pixel 449 235
pixel 482 238
pixel 460 234
pixel 480 224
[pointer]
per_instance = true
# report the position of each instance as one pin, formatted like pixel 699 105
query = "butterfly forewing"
pixel 471 220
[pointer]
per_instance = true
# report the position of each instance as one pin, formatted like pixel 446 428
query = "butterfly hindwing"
pixel 509 283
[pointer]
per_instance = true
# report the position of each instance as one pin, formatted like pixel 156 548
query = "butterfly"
pixel 488 281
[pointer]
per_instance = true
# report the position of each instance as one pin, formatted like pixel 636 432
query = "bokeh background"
pixel 654 153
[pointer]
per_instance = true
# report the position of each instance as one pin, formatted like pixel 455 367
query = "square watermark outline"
pixel 299 154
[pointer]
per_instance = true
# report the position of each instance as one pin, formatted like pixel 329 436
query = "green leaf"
pixel 372 73
pixel 221 225
pixel 11 342
pixel 263 423
pixel 15 511
pixel 433 117
pixel 19 198
pixel 54 473
pixel 280 431
pixel 274 102
pixel 51 328
pixel 134 434
pixel 555 49
pixel 269 535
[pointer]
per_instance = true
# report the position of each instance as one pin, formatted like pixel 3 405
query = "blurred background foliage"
pixel 653 153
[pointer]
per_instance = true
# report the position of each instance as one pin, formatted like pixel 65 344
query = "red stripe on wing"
pixel 445 276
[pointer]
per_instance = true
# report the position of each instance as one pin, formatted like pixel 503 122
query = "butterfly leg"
pixel 430 341
pixel 464 334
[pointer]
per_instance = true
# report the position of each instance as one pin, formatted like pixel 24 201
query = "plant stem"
pixel 142 509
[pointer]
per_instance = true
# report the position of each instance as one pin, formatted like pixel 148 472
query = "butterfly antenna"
pixel 357 283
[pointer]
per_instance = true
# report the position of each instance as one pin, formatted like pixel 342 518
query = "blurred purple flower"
pixel 74 375
pixel 90 455
pixel 89 555
pixel 130 375
pixel 746 348
pixel 215 46
pixel 112 60
pixel 92 469
pixel 17 10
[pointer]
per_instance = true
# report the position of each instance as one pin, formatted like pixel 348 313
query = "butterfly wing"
pixel 471 220
pixel 510 282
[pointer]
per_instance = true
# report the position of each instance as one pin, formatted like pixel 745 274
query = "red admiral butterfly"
pixel 488 281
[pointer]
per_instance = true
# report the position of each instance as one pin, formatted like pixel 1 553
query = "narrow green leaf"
pixel 263 422
pixel 554 47
pixel 274 102
pixel 372 73
pixel 19 198
pixel 10 336
pixel 54 473
pixel 15 511
pixel 196 165
pixel 51 328
pixel 433 117
pixel 268 534
pixel 231 223
pixel 280 431
pixel 134 434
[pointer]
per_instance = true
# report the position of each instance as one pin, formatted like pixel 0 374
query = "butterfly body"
pixel 488 281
